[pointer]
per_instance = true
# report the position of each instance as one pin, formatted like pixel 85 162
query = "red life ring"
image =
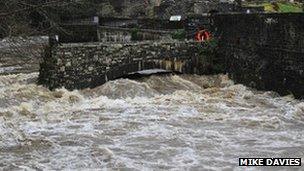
pixel 202 36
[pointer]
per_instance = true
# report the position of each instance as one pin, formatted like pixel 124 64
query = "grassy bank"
pixel 280 6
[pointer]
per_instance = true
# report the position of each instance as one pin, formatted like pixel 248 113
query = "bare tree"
pixel 22 19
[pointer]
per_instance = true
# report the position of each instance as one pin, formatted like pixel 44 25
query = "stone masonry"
pixel 76 66
pixel 264 51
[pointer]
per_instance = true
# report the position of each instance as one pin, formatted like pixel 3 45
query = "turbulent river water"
pixel 161 122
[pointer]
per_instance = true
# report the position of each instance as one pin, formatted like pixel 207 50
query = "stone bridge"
pixel 263 51
pixel 83 65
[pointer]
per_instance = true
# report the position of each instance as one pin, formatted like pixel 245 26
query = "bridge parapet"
pixel 84 65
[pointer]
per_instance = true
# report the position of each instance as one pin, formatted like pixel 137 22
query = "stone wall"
pixel 264 51
pixel 76 66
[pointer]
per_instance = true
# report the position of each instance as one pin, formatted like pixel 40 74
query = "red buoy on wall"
pixel 202 36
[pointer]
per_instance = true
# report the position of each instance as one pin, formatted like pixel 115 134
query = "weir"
pixel 264 51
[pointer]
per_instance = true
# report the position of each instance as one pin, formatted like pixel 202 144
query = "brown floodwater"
pixel 164 122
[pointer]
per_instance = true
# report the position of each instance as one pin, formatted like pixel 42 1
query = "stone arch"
pixel 77 66
pixel 184 66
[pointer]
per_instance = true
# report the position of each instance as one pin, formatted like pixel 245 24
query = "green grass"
pixel 283 7
pixel 290 7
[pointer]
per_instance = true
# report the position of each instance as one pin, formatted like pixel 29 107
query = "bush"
pixel 179 34
pixel 212 43
pixel 135 36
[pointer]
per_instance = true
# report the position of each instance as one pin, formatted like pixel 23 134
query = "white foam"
pixel 158 123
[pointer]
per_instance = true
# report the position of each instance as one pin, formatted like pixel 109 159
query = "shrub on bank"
pixel 179 34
